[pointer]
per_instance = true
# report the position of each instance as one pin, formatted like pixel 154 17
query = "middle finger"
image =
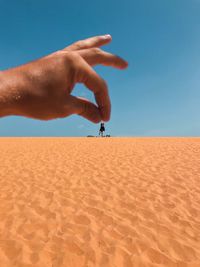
pixel 95 56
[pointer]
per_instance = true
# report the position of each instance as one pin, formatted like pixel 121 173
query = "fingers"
pixel 84 108
pixel 97 85
pixel 96 41
pixel 96 56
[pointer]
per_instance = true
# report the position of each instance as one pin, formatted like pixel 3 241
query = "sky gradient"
pixel 158 95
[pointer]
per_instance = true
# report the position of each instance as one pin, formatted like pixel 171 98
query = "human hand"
pixel 42 89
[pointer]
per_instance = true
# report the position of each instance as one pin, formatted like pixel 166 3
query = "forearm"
pixel 7 98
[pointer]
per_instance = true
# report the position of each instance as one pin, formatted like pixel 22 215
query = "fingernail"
pixel 107 36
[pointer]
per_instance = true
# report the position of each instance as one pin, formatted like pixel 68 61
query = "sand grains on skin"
pixel 105 202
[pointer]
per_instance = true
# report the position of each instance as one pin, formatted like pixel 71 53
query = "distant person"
pixel 102 129
pixel 42 88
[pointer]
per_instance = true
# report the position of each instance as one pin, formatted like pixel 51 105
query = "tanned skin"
pixel 42 88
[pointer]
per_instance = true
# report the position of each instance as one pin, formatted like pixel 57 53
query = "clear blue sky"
pixel 158 95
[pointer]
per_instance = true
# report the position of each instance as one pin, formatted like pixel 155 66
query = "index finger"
pixel 98 86
pixel 95 41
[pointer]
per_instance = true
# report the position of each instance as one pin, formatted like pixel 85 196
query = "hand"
pixel 42 89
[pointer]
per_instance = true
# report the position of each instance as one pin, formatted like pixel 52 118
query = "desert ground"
pixel 105 202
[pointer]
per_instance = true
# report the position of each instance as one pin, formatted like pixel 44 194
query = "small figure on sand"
pixel 102 129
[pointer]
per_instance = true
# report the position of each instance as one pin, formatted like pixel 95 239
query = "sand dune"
pixel 110 202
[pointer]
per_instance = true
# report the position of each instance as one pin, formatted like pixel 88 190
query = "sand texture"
pixel 105 202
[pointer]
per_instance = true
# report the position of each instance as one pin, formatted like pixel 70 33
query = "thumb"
pixel 84 108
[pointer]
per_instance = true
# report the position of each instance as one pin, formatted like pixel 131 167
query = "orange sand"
pixel 83 202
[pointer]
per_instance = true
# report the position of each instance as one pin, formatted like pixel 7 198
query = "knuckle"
pixel 105 86
pixel 98 39
pixel 61 57
pixel 96 50
pixel 78 45
pixel 71 58
pixel 57 57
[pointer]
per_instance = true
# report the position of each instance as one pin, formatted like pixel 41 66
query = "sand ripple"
pixel 113 202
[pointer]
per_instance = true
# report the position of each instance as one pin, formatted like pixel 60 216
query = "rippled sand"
pixel 83 202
